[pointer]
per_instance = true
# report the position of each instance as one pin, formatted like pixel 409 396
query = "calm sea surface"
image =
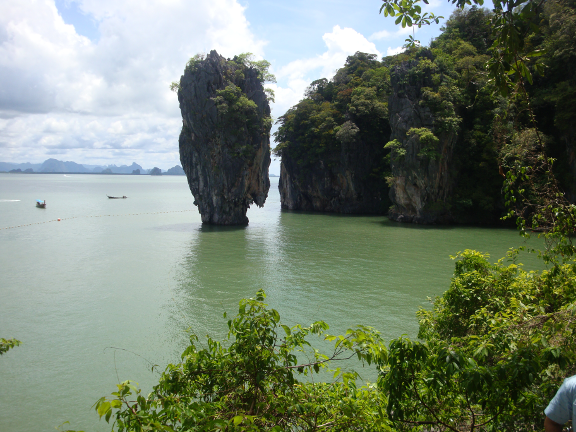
pixel 110 289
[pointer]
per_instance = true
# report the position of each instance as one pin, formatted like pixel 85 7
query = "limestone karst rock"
pixel 332 144
pixel 421 181
pixel 372 131
pixel 340 186
pixel 225 137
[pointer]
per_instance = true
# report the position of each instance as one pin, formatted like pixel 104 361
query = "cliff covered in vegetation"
pixel 225 137
pixel 331 142
pixel 422 143
pixel 425 136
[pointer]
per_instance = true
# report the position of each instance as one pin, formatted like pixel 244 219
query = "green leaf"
pixel 103 407
pixel 275 315
pixel 536 53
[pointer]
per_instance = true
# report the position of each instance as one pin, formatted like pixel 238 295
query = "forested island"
pixel 424 136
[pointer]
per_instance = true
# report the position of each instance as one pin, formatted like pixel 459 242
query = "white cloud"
pixel 382 34
pixel 433 4
pixel 394 51
pixel 90 139
pixel 112 94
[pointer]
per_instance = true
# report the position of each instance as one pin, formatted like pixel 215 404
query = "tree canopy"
pixel 525 42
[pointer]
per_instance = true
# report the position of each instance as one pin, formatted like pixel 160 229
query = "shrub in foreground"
pixel 489 356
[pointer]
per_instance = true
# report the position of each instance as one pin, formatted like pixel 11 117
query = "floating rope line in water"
pixel 81 217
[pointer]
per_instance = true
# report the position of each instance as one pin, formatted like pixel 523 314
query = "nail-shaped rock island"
pixel 225 137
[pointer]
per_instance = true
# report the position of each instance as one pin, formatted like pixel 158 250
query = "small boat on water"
pixel 122 197
pixel 40 203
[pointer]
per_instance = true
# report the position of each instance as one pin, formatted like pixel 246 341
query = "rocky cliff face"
pixel 332 142
pixel 569 138
pixel 422 146
pixel 341 186
pixel 225 138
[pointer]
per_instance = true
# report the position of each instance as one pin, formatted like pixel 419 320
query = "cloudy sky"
pixel 88 80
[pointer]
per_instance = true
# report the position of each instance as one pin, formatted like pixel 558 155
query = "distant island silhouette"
pixel 54 166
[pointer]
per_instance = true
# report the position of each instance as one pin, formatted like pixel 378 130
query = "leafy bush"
pixel 492 352
pixel 249 382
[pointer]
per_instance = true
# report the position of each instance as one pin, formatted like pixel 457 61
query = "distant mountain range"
pixel 56 166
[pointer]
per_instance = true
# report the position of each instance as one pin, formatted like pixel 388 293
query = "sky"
pixel 88 80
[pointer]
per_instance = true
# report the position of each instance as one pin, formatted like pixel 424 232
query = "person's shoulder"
pixel 570 382
pixel 568 387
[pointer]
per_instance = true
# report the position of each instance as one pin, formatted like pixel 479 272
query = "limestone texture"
pixel 225 138
pixel 420 184
pixel 343 185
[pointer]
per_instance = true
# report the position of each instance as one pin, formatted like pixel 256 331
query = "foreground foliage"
pixel 489 356
pixel 491 353
pixel 6 344
pixel 250 382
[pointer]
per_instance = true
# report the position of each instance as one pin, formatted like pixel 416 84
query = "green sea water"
pixel 111 289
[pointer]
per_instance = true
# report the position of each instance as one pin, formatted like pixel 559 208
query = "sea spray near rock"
pixel 225 137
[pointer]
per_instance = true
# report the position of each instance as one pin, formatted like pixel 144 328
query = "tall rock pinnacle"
pixel 225 137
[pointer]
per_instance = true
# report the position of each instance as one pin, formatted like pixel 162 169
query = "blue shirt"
pixel 563 406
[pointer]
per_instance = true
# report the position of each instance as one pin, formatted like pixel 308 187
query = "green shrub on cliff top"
pixel 235 109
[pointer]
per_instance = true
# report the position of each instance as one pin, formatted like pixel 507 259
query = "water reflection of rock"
pixel 223 265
